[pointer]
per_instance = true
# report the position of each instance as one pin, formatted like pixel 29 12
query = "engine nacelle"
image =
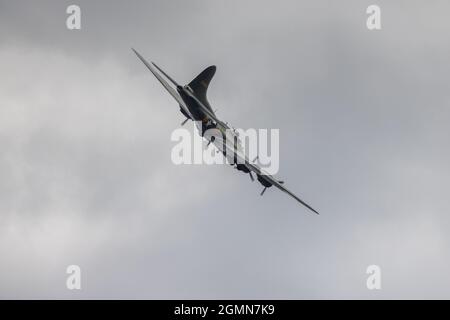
pixel 242 167
pixel 265 182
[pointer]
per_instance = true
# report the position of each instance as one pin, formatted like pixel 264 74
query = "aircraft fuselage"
pixel 194 107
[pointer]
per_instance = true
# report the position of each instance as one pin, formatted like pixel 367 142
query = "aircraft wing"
pixel 254 168
pixel 277 184
pixel 171 90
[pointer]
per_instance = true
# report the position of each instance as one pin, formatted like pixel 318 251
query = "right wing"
pixel 239 156
pixel 276 183
pixel 172 92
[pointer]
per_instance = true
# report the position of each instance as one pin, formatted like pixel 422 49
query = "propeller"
pixel 184 122
pixel 251 176
pixel 264 190
pixel 212 140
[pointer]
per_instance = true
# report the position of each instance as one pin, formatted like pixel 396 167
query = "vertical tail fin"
pixel 201 83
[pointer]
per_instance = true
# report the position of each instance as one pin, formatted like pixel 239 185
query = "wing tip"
pixel 313 210
pixel 310 208
pixel 138 54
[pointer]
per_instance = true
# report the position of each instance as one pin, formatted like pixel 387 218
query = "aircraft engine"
pixel 242 168
pixel 265 182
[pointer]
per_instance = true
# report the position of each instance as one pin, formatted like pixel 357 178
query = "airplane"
pixel 194 106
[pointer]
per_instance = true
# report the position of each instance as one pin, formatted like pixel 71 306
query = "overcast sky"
pixel 86 176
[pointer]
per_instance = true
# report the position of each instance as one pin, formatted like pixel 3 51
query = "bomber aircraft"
pixel 195 106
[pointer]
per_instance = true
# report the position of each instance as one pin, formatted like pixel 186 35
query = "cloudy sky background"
pixel 86 176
